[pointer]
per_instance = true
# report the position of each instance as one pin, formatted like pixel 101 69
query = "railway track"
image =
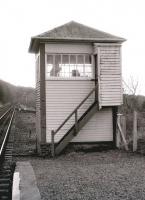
pixel 6 148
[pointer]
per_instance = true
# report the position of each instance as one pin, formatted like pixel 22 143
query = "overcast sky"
pixel 21 19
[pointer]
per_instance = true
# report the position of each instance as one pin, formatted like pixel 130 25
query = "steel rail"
pixel 5 113
pixel 6 135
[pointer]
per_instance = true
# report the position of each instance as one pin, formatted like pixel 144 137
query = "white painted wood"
pixel 99 128
pixel 60 103
pixel 68 48
pixel 62 97
pixel 109 76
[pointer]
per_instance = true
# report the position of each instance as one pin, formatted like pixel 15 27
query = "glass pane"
pixel 49 70
pixel 87 59
pixel 80 70
pixel 57 67
pixel 88 70
pixel 49 59
pixel 72 59
pixel 65 59
pixel 80 59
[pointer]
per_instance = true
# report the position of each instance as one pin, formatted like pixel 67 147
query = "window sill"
pixel 69 79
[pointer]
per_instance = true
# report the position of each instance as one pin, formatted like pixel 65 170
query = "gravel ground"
pixel 107 175
pixel 110 175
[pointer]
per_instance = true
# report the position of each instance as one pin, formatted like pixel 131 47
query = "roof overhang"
pixel 36 41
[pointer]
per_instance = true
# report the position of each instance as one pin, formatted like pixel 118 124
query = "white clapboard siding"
pixel 109 74
pixel 99 128
pixel 61 102
pixel 68 48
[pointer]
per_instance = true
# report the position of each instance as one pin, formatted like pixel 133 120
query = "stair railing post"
pixel 76 122
pixel 52 144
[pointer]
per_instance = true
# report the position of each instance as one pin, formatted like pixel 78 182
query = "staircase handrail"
pixel 53 133
pixel 74 110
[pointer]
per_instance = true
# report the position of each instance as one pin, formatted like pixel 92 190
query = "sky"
pixel 22 19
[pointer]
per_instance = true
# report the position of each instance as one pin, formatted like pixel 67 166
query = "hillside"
pixel 26 96
pixel 16 94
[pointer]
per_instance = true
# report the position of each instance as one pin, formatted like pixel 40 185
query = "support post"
pixel 134 130
pixel 52 144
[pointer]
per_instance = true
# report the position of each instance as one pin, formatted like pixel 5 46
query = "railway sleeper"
pixel 4 185
pixel 4 198
pixel 5 180
pixel 4 191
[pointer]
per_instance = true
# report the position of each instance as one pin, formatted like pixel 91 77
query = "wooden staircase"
pixel 57 148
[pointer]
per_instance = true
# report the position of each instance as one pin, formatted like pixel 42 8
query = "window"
pixel 68 65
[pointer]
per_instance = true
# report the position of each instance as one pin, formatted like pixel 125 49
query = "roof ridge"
pixel 76 32
pixel 74 22
pixel 54 28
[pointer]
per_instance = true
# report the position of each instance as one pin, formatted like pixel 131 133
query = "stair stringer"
pixel 60 146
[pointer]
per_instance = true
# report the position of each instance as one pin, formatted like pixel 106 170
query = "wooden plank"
pixel 111 87
pixel 134 131
pixel 109 59
pixel 42 94
pixel 108 66
pixel 69 48
pixel 98 74
pixel 112 76
pixel 110 72
pixel 111 55
pixel 122 135
pixel 111 96
pixel 110 63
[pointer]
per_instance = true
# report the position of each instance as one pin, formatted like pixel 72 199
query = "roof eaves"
pixel 80 39
pixel 33 45
pixel 36 40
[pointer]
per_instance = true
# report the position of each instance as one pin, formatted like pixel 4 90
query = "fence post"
pixel 134 130
pixel 52 144
pixel 123 124
pixel 118 137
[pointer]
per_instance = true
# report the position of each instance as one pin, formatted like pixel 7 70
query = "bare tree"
pixel 131 88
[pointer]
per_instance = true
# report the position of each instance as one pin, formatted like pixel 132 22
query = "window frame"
pixel 70 78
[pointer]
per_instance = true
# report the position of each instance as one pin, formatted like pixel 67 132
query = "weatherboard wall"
pixel 109 74
pixel 62 97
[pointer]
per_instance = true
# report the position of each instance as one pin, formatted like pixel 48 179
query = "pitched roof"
pixel 73 31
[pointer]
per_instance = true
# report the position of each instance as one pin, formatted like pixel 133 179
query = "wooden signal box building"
pixel 78 86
